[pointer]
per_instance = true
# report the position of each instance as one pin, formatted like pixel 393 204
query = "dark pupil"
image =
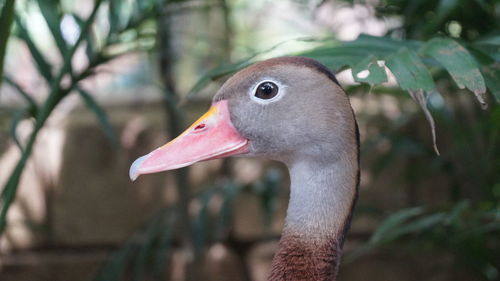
pixel 266 90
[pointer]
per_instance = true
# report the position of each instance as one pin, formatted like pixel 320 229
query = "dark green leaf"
pixel 68 57
pixel 100 114
pixel 368 71
pixel 10 188
pixel 114 14
pixel 23 93
pixel 380 46
pixel 44 68
pixel 119 15
pixel 51 12
pixel 459 63
pixel 91 48
pixel 409 70
pixel 6 17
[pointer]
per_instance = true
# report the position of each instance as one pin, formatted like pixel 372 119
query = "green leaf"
pixel 368 71
pixel 392 222
pixel 51 13
pixel 492 78
pixel 114 14
pixel 91 48
pixel 459 63
pixel 380 46
pixel 6 17
pixel 10 188
pixel 418 225
pixel 23 93
pixel 336 57
pixel 410 71
pixel 68 57
pixel 100 114
pixel 44 68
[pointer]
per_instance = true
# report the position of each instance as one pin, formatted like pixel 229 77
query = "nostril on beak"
pixel 199 127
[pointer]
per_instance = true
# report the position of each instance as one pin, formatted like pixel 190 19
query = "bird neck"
pixel 321 201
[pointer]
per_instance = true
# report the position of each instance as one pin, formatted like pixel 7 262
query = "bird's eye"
pixel 266 90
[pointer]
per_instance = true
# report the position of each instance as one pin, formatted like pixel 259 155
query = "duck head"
pixel 284 109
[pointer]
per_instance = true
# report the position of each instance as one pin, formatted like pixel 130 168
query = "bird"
pixel 292 110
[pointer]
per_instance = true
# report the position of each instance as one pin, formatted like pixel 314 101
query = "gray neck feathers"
pixel 321 198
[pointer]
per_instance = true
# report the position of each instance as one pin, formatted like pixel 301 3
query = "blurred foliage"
pixel 146 255
pixel 423 19
pixel 101 47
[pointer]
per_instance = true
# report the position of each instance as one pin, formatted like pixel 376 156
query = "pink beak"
pixel 212 136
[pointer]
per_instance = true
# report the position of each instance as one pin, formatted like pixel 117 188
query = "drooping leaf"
pixel 421 99
pixel 459 63
pixel 44 68
pixel 410 71
pixel 100 114
pixel 369 71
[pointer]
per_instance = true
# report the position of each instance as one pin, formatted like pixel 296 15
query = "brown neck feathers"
pixel 299 259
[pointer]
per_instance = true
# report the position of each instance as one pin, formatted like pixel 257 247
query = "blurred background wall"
pixel 91 85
